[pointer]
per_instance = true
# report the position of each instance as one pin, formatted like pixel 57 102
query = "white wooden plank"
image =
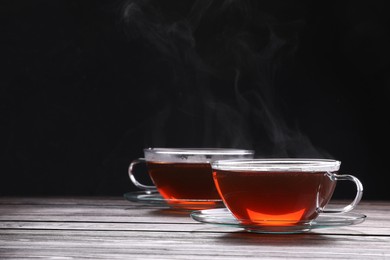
pixel 188 245
pixel 113 228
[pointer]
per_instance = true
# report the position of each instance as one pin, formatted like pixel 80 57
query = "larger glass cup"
pixel 280 191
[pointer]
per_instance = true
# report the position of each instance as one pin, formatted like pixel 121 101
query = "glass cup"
pixel 280 192
pixel 184 175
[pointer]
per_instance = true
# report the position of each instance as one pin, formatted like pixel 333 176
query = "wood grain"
pixel 113 228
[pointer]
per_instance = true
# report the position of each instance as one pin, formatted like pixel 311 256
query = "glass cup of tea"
pixel 183 176
pixel 280 192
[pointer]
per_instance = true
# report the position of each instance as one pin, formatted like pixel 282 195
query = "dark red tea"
pixel 273 198
pixel 184 181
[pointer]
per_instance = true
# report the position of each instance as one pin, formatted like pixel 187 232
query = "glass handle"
pixel 358 197
pixel 134 180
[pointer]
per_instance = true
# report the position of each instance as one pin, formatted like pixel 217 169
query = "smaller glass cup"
pixel 183 175
pixel 280 192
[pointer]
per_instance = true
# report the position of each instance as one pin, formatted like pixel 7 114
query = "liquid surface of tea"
pixel 273 198
pixel 184 181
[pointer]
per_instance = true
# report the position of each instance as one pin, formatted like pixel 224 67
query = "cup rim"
pixel 198 151
pixel 278 165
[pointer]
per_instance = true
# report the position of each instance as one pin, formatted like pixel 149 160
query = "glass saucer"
pixel 222 216
pixel 154 198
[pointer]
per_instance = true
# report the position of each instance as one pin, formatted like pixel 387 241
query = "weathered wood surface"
pixel 113 228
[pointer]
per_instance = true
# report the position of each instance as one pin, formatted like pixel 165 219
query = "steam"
pixel 221 62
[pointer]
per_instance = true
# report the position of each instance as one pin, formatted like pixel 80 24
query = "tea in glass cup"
pixel 184 175
pixel 279 191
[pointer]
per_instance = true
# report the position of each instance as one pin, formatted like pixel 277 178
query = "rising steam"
pixel 220 62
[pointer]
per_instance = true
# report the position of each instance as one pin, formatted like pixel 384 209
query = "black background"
pixel 86 85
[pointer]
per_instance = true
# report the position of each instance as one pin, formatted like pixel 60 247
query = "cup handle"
pixel 358 197
pixel 148 188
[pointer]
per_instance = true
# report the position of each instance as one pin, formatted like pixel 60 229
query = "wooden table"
pixel 114 228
